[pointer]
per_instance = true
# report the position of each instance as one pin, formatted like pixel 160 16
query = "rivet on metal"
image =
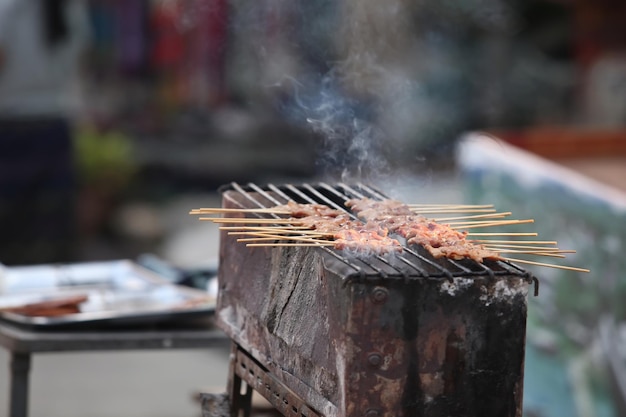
pixel 380 295
pixel 375 359
pixel 372 413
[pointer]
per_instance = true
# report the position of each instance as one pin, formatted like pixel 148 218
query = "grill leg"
pixel 258 378
pixel 240 403
pixel 20 367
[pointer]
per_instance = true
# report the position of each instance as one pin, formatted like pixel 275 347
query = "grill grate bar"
pixel 243 192
pixel 326 200
pixel 265 194
pixel 512 268
pixel 299 193
pixel 280 192
pixel 487 269
pixel 443 270
pixel 461 267
pixel 370 190
pixel 422 271
pixel 359 194
pixel 336 193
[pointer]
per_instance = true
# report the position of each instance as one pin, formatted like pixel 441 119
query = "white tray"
pixel 118 292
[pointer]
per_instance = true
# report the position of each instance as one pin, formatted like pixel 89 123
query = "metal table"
pixel 22 343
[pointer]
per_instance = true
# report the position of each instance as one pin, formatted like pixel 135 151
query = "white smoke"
pixel 379 82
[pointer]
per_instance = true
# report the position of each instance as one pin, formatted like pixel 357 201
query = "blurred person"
pixel 40 44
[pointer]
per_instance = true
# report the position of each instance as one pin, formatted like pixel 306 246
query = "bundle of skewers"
pixel 444 230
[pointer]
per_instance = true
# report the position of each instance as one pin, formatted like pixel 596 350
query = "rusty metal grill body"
pixel 394 335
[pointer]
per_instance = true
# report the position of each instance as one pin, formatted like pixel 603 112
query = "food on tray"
pixel 58 306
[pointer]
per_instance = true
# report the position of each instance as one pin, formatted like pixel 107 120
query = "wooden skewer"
pixel 504 222
pixel 280 228
pixel 547 248
pixel 261 238
pixel 527 252
pixel 454 206
pixel 527 242
pixel 291 244
pixel 494 221
pixel 451 210
pixel 534 249
pixel 207 210
pixel 271 238
pixel 570 268
pixel 276 233
pixel 283 235
pixel 235 210
pixel 504 234
pixel 303 229
pixel 279 231
pixel 257 239
pixel 491 224
pixel 249 220
pixel 282 232
pixel 477 216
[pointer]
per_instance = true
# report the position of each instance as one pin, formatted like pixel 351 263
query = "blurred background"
pixel 119 116
pixel 164 98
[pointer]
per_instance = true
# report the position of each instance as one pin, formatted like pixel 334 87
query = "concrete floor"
pixel 129 384
pixel 163 383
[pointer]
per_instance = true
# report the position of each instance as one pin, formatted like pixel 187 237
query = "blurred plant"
pixel 105 165
pixel 104 158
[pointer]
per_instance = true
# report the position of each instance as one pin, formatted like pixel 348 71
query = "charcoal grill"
pixel 319 333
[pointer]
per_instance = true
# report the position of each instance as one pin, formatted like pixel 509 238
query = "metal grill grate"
pixel 414 262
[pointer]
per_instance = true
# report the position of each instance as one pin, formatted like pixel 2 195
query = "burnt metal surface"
pixel 424 350
pixel 393 336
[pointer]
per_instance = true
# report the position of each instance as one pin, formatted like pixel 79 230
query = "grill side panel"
pixel 272 302
pixel 425 348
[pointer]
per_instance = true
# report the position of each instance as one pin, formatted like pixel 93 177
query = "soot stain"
pixel 412 401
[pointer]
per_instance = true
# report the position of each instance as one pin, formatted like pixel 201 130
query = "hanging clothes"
pixel 206 51
pixel 131 36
